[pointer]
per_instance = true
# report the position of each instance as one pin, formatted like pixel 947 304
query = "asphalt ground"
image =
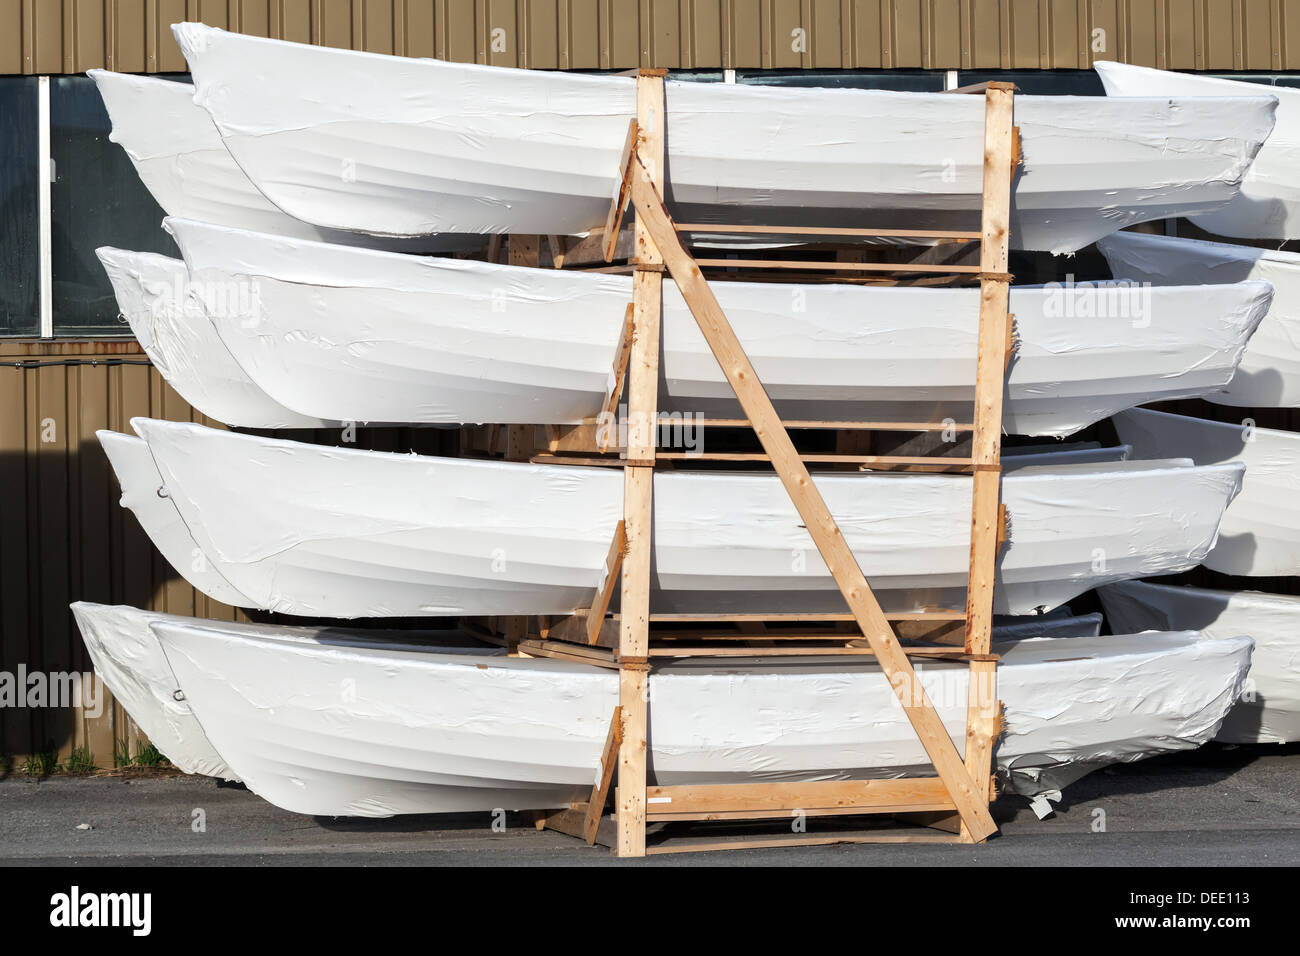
pixel 1215 807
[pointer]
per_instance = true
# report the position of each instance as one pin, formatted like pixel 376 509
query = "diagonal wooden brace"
pixel 970 800
pixel 607 438
pixel 614 219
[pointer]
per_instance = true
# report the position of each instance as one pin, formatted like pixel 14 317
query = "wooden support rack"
pixel 954 803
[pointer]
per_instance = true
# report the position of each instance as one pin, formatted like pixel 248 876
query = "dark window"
pixel 97 200
pixel 907 81
pixel 1040 82
pixel 19 225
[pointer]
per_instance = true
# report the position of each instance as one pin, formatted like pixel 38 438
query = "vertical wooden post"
pixel 986 449
pixel 642 390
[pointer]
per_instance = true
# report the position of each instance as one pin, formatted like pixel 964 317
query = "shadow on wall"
pixel 64 538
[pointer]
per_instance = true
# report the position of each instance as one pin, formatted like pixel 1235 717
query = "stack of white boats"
pixel 305 298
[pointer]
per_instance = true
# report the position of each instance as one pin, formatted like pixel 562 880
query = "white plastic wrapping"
pixel 181 160
pixel 1269 374
pixel 1268 206
pixel 1260 534
pixel 426 732
pixel 336 532
pixel 131 664
pixel 129 659
pixel 143 493
pixel 153 293
pixel 358 335
pixel 1269 709
pixel 400 146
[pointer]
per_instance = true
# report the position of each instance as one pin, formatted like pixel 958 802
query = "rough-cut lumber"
pixel 968 798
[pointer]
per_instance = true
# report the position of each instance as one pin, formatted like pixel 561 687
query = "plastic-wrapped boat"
pixel 1268 206
pixel 144 494
pixel 358 335
pixel 1260 534
pixel 400 146
pixel 332 728
pixel 1269 374
pixel 130 661
pixel 1269 709
pixel 179 157
pixel 335 532
pixel 153 293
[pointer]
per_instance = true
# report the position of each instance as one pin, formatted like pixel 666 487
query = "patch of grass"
pixel 81 760
pixel 151 756
pixel 121 753
pixel 6 764
pixel 42 763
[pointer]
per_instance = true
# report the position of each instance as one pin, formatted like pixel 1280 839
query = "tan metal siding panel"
pixel 1182 45
pixel 63 36
pixel 986 35
pixel 582 30
pixel 11 37
pixel 63 535
pixel 906 36
pixel 456 38
pixel 706 19
pixel 945 34
pixel 1218 35
pixel 1022 34
pixel 865 42
pixel 293 20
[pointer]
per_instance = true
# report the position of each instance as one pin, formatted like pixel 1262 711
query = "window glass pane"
pixel 1264 79
pixel 97 200
pixel 913 81
pixel 1040 82
pixel 19 227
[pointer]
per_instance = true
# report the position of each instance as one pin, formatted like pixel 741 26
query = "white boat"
pixel 179 157
pixel 1046 625
pixel 130 661
pixel 154 294
pixel 399 146
pixel 365 731
pixel 334 532
pixel 1268 206
pixel 1269 709
pixel 143 493
pixel 360 335
pixel 1269 374
pixel 1070 453
pixel 131 664
pixel 1260 534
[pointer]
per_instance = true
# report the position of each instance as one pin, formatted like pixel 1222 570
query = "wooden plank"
pixel 613 565
pixel 986 445
pixel 825 231
pixel 863 796
pixel 599 656
pixel 970 801
pixel 932 461
pixel 614 218
pixel 607 436
pixel 954 653
pixel 834 266
pixel 638 481
pixel 698 845
pixel 608 761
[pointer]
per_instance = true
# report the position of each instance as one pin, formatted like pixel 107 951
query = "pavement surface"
pixel 1213 807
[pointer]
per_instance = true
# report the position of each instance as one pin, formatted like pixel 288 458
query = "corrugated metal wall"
pixel 62 535
pixel 70 36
